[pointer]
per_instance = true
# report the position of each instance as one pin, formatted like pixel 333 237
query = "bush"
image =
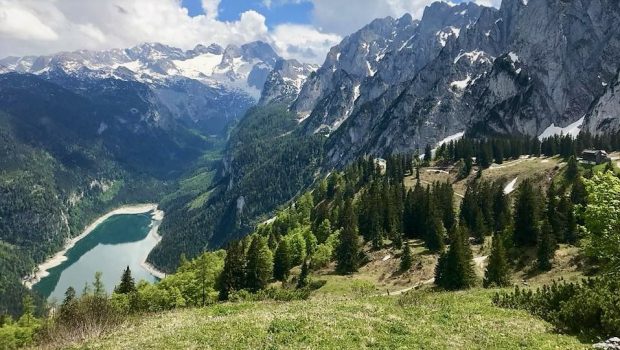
pixel 363 288
pixel 590 308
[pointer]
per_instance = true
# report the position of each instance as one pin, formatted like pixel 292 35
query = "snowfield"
pixel 573 129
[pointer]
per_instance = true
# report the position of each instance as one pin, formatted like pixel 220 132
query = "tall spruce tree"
pixel 572 169
pixel 497 273
pixel 282 261
pixel 570 229
pixel 304 276
pixel 127 284
pixel 348 251
pixel 553 216
pixel 526 216
pixel 455 269
pixel 233 275
pixel 259 264
pixel 406 260
pixel 579 194
pixel 435 231
pixel 428 154
pixel 546 246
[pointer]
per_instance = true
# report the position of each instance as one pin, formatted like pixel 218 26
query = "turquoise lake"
pixel 120 241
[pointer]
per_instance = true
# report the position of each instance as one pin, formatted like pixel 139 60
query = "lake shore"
pixel 59 257
pixel 158 216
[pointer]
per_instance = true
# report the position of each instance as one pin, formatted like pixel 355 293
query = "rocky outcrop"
pixel 285 81
pixel 397 85
pixel 605 113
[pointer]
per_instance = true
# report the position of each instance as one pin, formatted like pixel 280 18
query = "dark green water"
pixel 118 242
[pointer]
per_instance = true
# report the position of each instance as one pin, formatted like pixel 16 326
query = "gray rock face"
pixel 605 114
pixel 208 86
pixel 381 55
pixel 285 81
pixel 397 85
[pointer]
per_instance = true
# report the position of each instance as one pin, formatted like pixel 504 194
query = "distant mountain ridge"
pixel 208 86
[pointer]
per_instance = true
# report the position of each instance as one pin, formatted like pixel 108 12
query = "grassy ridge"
pixel 418 320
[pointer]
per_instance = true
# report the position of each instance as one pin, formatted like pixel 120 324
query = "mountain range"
pixel 208 87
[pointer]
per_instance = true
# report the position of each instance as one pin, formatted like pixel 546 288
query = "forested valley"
pixel 376 204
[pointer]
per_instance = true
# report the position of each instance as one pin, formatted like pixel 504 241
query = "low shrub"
pixel 590 308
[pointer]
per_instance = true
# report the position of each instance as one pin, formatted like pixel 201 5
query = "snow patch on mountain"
pixel 552 130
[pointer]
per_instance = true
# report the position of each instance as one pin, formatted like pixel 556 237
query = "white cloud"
pixel 343 17
pixel 35 27
pixel 303 42
pixel 22 24
pixel 210 8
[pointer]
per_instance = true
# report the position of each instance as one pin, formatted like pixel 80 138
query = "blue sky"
pixel 280 11
pixel 277 13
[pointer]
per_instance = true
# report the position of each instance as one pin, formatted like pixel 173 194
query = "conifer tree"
pixel 552 214
pixel 479 230
pixel 68 306
pixel 435 231
pixel 466 167
pixel 348 251
pixel 98 288
pixel 497 273
pixel 304 276
pixel 406 260
pixel 323 231
pixel 127 284
pixel 282 261
pixel 259 264
pixel 546 247
pixel 428 154
pixel 572 169
pixel 419 209
pixel 501 208
pixel 233 275
pixel 579 194
pixel 455 268
pixel 526 216
pixel 570 221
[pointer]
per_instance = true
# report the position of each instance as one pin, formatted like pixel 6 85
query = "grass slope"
pixel 418 320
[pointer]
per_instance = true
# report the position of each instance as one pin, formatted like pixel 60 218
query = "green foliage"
pixel 348 252
pixel 363 288
pixel 497 273
pixel 590 308
pixel 602 220
pixel 233 274
pixel 572 169
pixel 304 277
pixel 268 164
pixel 434 240
pixel 455 268
pixel 297 246
pixel 272 293
pixel 406 260
pixel 324 252
pixel 259 264
pixel 282 261
pixel 545 247
pixel 15 335
pixel 127 284
pixel 526 215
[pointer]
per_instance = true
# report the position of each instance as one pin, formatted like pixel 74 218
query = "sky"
pixel 301 29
